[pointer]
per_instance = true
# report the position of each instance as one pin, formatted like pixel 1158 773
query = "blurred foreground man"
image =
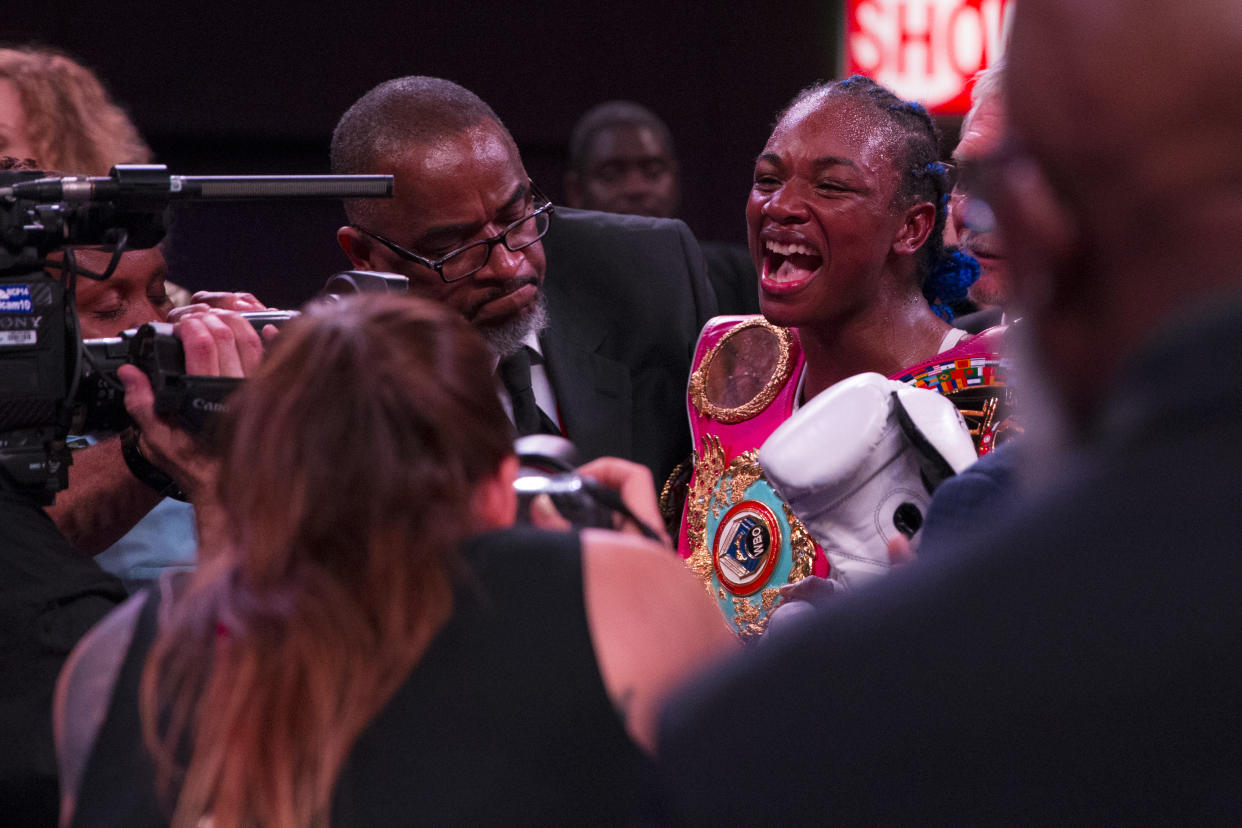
pixel 1083 664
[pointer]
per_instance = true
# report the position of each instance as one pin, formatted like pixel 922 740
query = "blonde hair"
pixel 70 119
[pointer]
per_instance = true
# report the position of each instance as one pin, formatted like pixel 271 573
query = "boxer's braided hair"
pixel 945 274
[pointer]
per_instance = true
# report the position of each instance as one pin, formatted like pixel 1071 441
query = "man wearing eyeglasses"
pixel 973 221
pixel 593 317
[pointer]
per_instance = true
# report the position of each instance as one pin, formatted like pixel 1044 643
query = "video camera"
pixel 548 465
pixel 51 383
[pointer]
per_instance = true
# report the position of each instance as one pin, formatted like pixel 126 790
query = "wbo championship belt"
pixel 736 533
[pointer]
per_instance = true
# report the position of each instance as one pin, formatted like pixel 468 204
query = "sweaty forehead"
pixel 449 188
pixel 830 125
pixel 479 150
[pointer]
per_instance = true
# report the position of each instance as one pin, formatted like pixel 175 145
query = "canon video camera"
pixel 51 383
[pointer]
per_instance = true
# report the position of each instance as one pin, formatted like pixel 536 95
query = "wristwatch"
pixel 143 469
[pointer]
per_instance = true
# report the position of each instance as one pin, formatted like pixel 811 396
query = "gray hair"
pixel 989 85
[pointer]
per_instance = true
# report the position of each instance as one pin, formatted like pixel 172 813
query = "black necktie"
pixel 514 372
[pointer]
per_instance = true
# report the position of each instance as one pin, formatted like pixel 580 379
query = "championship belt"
pixel 736 532
pixel 975 377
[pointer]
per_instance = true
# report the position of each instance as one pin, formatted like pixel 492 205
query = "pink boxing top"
pixel 735 532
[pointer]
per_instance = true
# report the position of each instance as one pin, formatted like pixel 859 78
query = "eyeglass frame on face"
pixel 977 213
pixel 977 180
pixel 1007 177
pixel 502 237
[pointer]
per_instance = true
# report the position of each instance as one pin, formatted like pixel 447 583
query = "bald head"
pixel 1103 90
pixel 1130 216
pixel 396 118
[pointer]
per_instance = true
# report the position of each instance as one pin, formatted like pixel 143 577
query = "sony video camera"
pixel 51 383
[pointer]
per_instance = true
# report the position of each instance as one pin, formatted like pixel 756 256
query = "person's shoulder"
pixel 728 255
pixel 592 223
pixel 998 465
pixel 515 553
pixel 971 501
pixel 652 624
pixel 101 650
pixel 85 687
pixel 980 320
pixel 993 339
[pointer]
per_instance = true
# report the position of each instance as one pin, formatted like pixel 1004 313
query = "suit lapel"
pixel 593 392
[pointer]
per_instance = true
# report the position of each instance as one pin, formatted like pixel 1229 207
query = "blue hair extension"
pixel 951 277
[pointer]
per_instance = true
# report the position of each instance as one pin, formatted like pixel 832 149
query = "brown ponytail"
pixel 350 463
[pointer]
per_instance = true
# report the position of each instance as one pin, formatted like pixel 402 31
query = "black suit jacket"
pixel 971 502
pixel 733 278
pixel 1084 664
pixel 626 297
pixel 979 321
pixel 50 595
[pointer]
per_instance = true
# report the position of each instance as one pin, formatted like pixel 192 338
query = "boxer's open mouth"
pixel 788 266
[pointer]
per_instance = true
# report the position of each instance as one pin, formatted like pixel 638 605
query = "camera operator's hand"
pixel 207 299
pixel 106 497
pixel 631 480
pixel 216 343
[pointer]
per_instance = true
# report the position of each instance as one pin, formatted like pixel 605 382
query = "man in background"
pixel 622 160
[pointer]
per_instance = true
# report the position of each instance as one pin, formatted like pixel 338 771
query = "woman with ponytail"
pixel 368 641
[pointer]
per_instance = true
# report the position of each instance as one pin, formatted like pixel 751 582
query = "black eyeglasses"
pixel 471 258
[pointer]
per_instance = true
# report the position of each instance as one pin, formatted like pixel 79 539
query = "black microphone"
pixel 146 183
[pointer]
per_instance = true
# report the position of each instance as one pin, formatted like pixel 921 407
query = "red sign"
pixel 925 50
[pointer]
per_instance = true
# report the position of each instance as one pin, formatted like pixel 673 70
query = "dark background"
pixel 257 88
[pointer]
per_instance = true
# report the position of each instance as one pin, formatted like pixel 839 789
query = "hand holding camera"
pixel 216 343
pixel 606 493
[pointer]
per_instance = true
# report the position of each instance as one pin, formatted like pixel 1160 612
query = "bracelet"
pixel 143 469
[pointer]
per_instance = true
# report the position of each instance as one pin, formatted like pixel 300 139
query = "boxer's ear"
pixel 917 225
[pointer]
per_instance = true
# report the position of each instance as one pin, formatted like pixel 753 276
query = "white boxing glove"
pixel 858 463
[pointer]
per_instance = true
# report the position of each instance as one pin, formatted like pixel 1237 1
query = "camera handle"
pixel 612 499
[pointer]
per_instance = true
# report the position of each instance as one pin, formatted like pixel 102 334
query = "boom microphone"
pixel 151 183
